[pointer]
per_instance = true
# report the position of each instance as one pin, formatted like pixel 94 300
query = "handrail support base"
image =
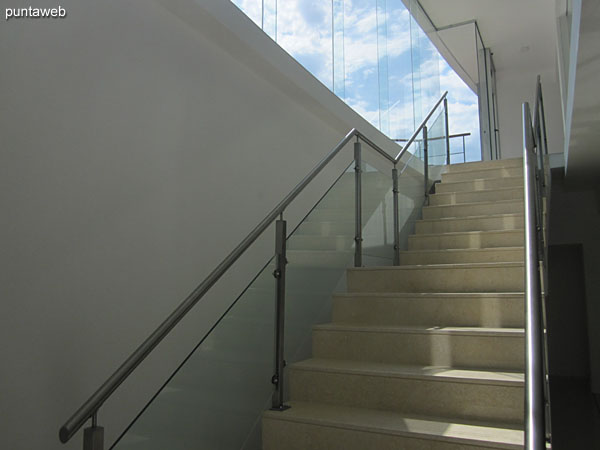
pixel 93 438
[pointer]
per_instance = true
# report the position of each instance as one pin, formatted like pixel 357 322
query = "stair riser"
pixel 476 312
pixel 461 257
pixel 454 241
pixel 452 198
pixel 457 400
pixel 451 279
pixel 483 165
pixel 478 185
pixel 440 212
pixel 509 222
pixel 281 434
pixel 483 352
pixel 482 174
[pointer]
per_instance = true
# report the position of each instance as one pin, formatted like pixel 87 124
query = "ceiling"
pixel 520 33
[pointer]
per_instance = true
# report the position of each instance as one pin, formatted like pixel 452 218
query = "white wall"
pixel 515 87
pixel 141 141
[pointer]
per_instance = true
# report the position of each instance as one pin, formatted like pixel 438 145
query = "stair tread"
pixel 433 373
pixel 483 179
pixel 498 163
pixel 480 216
pixel 441 266
pixel 486 169
pixel 392 295
pixel 493 202
pixel 388 422
pixel 474 249
pixel 454 233
pixel 457 331
pixel 475 191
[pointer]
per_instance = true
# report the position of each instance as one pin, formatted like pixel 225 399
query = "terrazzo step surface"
pixel 482 165
pixel 493 395
pixel 483 195
pixel 498 310
pixel 491 222
pixel 479 184
pixel 480 277
pixel 466 239
pixel 319 426
pixel 491 348
pixel 473 209
pixel 462 256
pixel 494 172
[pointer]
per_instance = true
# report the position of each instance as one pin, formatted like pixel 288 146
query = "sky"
pixel 383 64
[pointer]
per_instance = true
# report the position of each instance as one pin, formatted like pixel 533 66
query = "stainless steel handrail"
pixel 90 407
pixel 420 128
pixel 537 390
pixel 452 136
pixel 534 373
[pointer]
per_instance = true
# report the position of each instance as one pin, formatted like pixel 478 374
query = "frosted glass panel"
pixel 377 217
pixel 436 138
pixel 217 396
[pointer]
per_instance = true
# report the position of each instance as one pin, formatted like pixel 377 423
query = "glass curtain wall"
pixel 373 54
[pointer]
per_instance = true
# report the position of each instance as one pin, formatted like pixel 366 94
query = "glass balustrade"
pixel 436 139
pixel 217 396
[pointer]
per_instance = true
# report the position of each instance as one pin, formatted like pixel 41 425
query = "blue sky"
pixel 386 61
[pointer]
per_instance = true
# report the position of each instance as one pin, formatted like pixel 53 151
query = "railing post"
pixel 279 274
pixel 358 205
pixel 426 163
pixel 93 437
pixel 396 217
pixel 464 151
pixel 447 131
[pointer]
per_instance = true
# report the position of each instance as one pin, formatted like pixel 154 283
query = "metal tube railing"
pixel 447 138
pixel 94 434
pixel 534 372
pixel 423 123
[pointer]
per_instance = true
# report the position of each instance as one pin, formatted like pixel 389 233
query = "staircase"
pixel 428 354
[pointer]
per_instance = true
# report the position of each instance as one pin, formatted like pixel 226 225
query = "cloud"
pixel 304 29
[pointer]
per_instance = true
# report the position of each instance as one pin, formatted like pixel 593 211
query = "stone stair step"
pixel 483 195
pixel 479 277
pixel 494 172
pixel 481 165
pixel 473 209
pixel 441 391
pixel 320 426
pixel 474 347
pixel 462 256
pixel 471 223
pixel 456 309
pixel 466 239
pixel 480 184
